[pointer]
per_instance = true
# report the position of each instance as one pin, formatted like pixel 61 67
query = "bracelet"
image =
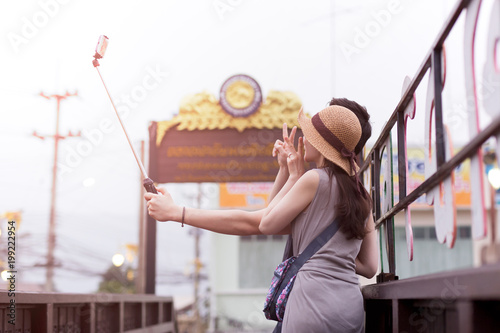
pixel 183 213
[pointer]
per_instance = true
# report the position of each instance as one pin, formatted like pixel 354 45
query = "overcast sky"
pixel 159 52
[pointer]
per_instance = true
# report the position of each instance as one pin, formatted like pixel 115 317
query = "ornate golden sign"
pixel 203 143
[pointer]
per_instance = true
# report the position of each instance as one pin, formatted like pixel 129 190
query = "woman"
pixel 326 295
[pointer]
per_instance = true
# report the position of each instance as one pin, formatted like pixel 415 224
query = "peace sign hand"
pixel 286 151
pixel 283 153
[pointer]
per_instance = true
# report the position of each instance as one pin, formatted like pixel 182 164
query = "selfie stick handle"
pixel 148 183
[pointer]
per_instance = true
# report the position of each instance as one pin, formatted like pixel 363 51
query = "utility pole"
pixel 140 281
pixel 49 283
pixel 197 268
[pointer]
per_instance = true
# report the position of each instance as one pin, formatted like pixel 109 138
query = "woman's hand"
pixel 282 158
pixel 161 207
pixel 294 158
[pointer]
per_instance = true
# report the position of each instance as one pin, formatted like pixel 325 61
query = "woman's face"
pixel 311 154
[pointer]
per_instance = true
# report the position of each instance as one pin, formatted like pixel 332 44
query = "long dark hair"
pixel 352 209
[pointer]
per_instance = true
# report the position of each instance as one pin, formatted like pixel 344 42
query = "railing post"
pixel 401 155
pixel 438 106
pixel 376 182
pixel 144 314
pixel 50 317
pixel 92 308
pixel 121 316
pixel 160 312
pixel 387 224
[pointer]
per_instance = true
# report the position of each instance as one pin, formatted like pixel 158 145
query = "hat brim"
pixel 318 142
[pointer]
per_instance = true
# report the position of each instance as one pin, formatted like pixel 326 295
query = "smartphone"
pixel 100 49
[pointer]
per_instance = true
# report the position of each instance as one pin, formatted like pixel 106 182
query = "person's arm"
pixel 161 207
pixel 295 166
pixel 233 222
pixel 367 259
pixel 230 222
pixel 279 182
pixel 293 198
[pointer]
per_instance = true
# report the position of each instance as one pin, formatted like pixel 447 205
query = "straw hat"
pixel 334 132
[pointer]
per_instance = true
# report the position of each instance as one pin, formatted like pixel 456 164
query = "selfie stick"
pixel 102 44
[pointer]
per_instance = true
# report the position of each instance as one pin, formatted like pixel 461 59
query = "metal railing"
pixel 88 313
pixel 455 301
pixel 432 62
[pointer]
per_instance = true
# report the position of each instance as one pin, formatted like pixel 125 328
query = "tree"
pixel 118 280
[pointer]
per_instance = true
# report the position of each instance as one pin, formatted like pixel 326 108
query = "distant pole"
pixel 49 280
pixel 140 287
pixel 197 267
pixel 150 225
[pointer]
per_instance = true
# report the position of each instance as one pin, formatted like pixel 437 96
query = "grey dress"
pixel 326 296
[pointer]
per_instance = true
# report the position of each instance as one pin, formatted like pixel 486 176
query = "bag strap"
pixel 311 249
pixel 316 244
